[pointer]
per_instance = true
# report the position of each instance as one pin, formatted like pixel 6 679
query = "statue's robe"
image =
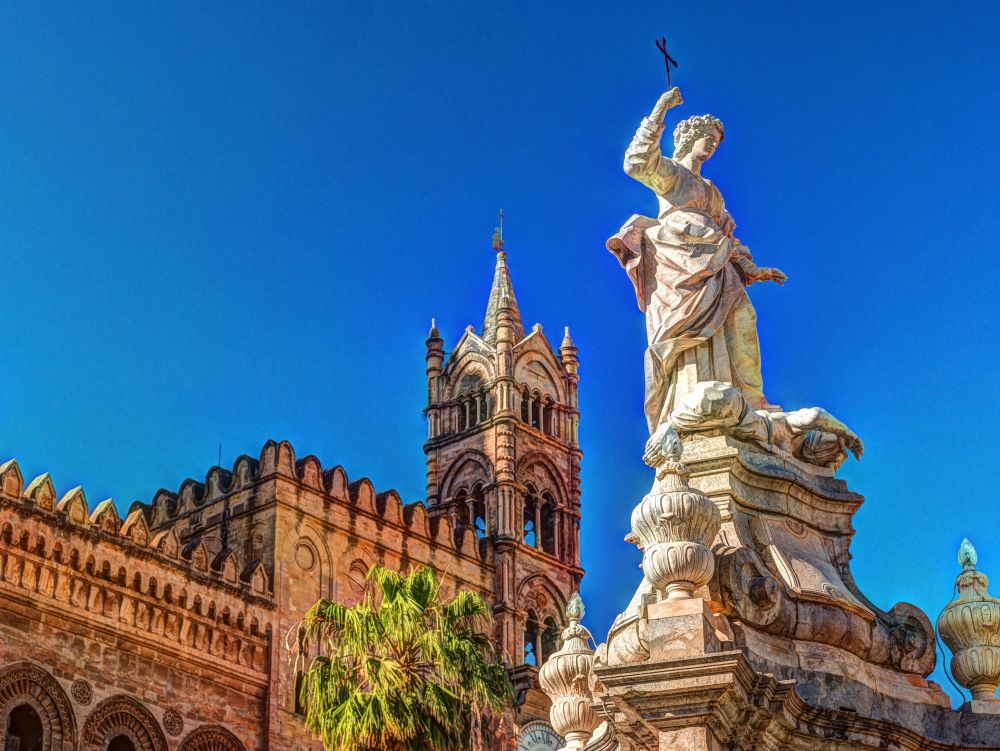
pixel 700 323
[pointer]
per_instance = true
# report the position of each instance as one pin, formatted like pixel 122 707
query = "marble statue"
pixel 690 272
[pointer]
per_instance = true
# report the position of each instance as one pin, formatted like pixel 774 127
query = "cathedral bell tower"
pixel 503 459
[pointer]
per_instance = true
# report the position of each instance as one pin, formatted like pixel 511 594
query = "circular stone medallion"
pixel 304 556
pixel 173 723
pixel 81 692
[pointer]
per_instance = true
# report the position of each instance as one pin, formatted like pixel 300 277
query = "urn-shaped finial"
pixel 674 524
pixel 970 626
pixel 567 679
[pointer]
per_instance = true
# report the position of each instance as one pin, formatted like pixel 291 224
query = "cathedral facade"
pixel 173 628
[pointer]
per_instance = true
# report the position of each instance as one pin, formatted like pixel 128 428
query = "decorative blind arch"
pixel 211 738
pixel 25 683
pixel 122 715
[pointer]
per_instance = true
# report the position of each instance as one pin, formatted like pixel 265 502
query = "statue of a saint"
pixel 689 270
pixel 690 274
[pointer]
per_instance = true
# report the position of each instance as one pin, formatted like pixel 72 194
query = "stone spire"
pixel 501 296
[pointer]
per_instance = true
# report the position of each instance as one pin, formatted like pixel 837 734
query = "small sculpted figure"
pixel 689 270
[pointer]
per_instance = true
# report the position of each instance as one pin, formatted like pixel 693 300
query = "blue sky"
pixel 231 222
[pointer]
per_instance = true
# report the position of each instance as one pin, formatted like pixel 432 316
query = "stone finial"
pixel 567 678
pixel 674 525
pixel 434 333
pixel 970 626
pixel 567 342
pixel 967 557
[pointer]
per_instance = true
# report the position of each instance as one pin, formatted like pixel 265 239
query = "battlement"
pixel 196 505
pixel 123 576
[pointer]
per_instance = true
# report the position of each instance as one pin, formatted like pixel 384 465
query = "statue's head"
pixel 699 135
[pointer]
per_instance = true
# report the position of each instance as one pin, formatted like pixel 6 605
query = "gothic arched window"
pixel 477 512
pixel 526 406
pixel 547 524
pixel 531 646
pixel 536 411
pixel 550 638
pixel 547 417
pixel 529 518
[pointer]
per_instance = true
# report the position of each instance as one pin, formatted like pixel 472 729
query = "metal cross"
pixel 661 45
pixel 498 234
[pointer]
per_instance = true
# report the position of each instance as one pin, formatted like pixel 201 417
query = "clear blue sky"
pixel 233 222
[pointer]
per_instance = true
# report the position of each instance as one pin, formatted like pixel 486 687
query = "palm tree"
pixel 402 670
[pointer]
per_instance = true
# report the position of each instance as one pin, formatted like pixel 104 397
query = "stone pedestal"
pixel 780 650
pixel 681 628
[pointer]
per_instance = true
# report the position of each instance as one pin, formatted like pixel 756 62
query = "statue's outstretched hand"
pixel 771 275
pixel 666 101
pixel 672 98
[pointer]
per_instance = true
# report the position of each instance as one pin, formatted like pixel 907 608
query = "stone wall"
pixel 184 615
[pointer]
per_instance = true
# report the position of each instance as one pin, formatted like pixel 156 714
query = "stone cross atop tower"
pixel 503 460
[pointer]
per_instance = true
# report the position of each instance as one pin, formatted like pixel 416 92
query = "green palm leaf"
pixel 402 670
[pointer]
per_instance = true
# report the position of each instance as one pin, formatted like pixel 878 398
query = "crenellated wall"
pixel 185 612
pixel 127 622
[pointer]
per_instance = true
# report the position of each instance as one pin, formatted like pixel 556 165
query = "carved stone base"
pixel 802 660
pixel 681 628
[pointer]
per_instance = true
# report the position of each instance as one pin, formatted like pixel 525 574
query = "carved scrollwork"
pixel 750 593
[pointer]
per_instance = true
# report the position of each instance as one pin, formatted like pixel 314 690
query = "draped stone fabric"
pixel 699 321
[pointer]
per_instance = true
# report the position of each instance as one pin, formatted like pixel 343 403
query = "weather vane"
pixel 498 235
pixel 661 45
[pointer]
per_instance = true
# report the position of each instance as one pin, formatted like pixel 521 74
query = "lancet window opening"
pixel 530 518
pixel 548 526
pixel 547 416
pixel 550 638
pixel 531 640
pixel 477 512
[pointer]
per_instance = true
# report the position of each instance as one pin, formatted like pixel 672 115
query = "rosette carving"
pixel 674 525
pixel 568 679
pixel 970 626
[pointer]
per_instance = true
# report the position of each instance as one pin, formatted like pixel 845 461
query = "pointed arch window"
pixel 536 410
pixel 550 638
pixel 547 527
pixel 531 640
pixel 547 416
pixel 529 518
pixel 477 512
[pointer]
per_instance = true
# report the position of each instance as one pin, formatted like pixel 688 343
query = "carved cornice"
pixel 745 710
